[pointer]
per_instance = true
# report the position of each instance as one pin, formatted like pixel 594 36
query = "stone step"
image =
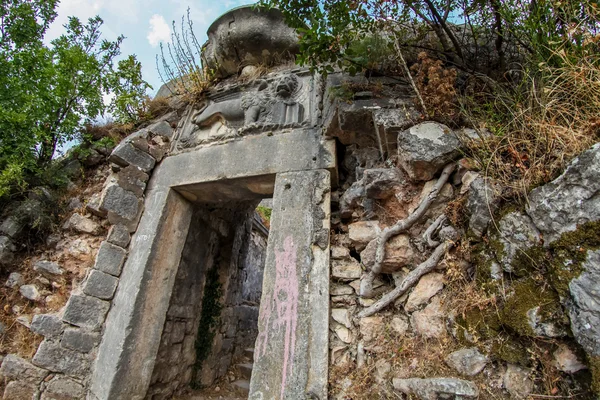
pixel 246 370
pixel 242 387
pixel 249 352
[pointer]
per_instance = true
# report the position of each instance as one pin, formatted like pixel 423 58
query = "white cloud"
pixel 159 30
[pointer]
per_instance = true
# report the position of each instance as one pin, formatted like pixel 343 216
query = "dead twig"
pixel 412 278
pixel 366 284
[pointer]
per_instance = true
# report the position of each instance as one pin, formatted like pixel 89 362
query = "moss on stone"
pixel 511 350
pixel 478 324
pixel 529 294
pixel 594 365
pixel 568 254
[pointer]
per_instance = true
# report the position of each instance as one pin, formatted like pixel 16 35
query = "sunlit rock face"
pixel 248 36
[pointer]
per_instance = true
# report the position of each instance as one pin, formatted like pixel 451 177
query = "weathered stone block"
pixel 15 367
pixel 86 311
pixel 437 388
pixel 133 179
pixel 119 235
pixel 126 154
pixel 80 340
pixel 11 227
pixel 162 128
pixel 49 269
pixel 52 356
pixel 362 232
pixel 483 200
pixel 100 285
pixel 110 259
pixel 93 205
pixel 399 253
pixel 47 325
pixel 121 205
pixel 61 388
pixel 346 269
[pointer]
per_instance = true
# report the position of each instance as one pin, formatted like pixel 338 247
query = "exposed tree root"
pixel 366 284
pixel 412 278
pixel 433 228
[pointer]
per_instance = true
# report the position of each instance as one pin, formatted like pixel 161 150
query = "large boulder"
pixel 425 149
pixel 570 200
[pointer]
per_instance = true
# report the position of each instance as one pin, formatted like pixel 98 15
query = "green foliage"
pixel 209 322
pixel 47 92
pixel 265 212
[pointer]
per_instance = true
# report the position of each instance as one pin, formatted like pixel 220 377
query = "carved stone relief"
pixel 274 103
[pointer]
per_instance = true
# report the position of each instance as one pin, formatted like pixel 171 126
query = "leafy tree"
pixel 464 29
pixel 47 92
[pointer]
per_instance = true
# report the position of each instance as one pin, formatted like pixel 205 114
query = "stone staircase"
pixel 242 386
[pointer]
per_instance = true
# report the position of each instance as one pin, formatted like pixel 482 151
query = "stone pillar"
pixel 291 351
pixel 135 322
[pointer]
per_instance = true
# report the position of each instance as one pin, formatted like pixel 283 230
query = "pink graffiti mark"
pixel 280 310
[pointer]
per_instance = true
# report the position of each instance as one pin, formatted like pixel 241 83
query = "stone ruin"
pixel 181 203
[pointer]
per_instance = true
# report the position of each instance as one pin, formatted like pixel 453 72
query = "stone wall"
pixel 228 240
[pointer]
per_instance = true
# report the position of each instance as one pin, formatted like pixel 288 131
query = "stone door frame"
pixel 238 170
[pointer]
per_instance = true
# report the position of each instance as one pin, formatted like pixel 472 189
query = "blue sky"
pixel 145 23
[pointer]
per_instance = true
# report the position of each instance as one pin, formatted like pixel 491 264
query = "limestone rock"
pixel 430 321
pixel 110 259
pixel 382 369
pixel 362 232
pixel 11 227
pixel 126 154
pixel 467 362
pixel 7 250
pixel 584 311
pixel 399 253
pixel 518 382
pixel 400 325
pixel 15 367
pixel 371 328
pixel 437 388
pixel 17 390
pixel 62 388
pixel 49 269
pixel 352 199
pixel 100 285
pixel 567 361
pixel 80 340
pixel 382 183
pixel 52 356
pixel 344 334
pixel 30 292
pixel 82 224
pixel 14 279
pixel 341 290
pixel 483 200
pixel 93 205
pixel 345 269
pixel 570 200
pixel 428 286
pixel 517 233
pixel 85 311
pixel 425 149
pixel 119 235
pixel 342 316
pixel 339 253
pixel 47 325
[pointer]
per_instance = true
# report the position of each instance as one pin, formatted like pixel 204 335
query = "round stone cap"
pixel 248 36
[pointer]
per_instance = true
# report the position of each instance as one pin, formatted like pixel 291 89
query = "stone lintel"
pixel 254 156
pixel 291 351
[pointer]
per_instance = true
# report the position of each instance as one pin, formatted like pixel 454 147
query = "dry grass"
pixel 539 127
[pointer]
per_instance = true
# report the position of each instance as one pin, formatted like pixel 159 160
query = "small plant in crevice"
pixel 209 321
